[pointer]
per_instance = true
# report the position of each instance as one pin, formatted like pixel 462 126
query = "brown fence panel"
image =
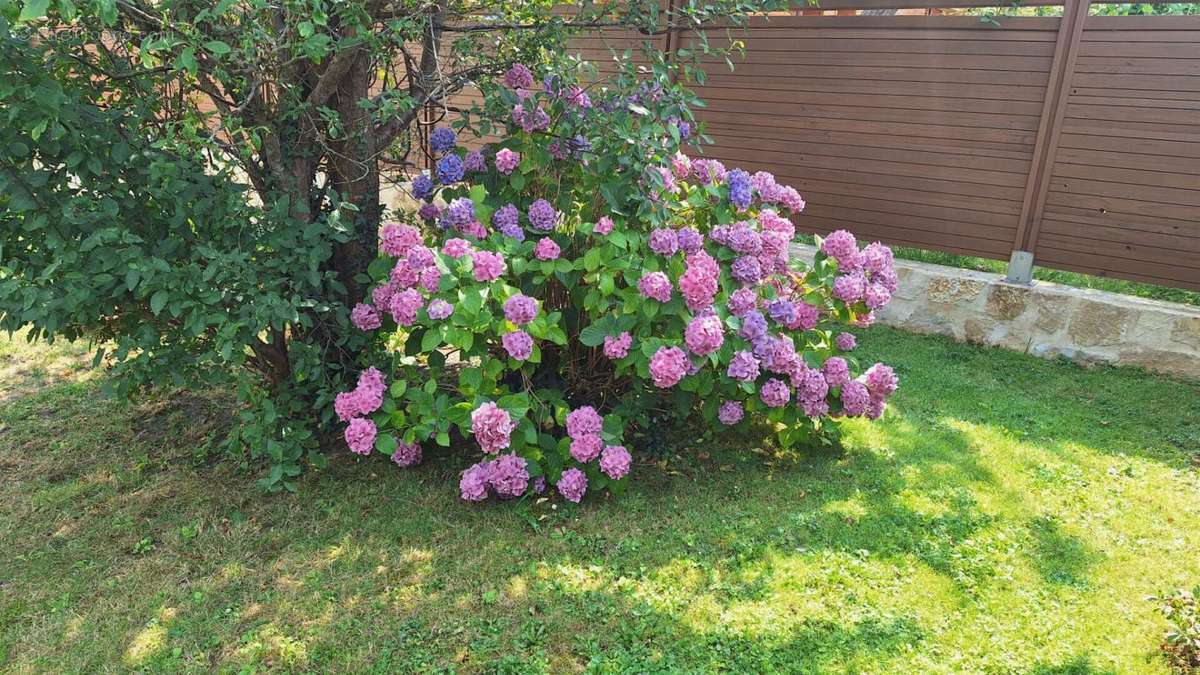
pixel 1124 192
pixel 913 130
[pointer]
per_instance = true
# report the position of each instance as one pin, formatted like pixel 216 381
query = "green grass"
pixel 1009 515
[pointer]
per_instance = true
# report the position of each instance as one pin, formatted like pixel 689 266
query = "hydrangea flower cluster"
pixel 537 284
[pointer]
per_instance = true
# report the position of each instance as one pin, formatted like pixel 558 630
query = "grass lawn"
pixel 1009 515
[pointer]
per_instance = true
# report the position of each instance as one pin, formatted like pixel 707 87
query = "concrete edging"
pixel 1044 319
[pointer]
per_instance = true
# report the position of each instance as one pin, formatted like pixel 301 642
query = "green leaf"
pixel 158 301
pixel 217 47
pixel 34 9
pixel 593 335
pixel 386 443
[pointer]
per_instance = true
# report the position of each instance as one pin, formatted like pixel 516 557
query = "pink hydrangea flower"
pixel 775 393
pixel 407 454
pixel 509 476
pixel 403 276
pixel 488 266
pixel 668 366
pixel 876 296
pixel 655 285
pixel 856 399
pixel 664 241
pixel 876 258
pixel 841 246
pixel 404 306
pixel 815 407
pixel 473 486
pixel 730 413
pixel 382 294
pixel 360 435
pixel 811 384
pixel 507 161
pixel 365 317
pixel 881 380
pixel 681 165
pixel 587 447
pixel 518 344
pixel 456 248
pixel 699 282
pixel 806 317
pixel 617 347
pixel 845 342
pixel 572 485
pixel 492 427
pixel 603 226
pixel 418 257
pixel 396 239
pixel 520 309
pixel 546 249
pixel 431 279
pixel 848 288
pixel 584 421
pixel 518 76
pixel 704 335
pixel 615 461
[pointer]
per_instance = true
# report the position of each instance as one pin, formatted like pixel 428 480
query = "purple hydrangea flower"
pixel 603 226
pixel 587 447
pixel 518 344
pixel 664 241
pixel 404 306
pixel 754 325
pixel 742 301
pixel 475 162
pixel 450 169
pixel 572 485
pixel 690 239
pixel 542 215
pixel 532 120
pixel 365 317
pixel 743 366
pixel 836 371
pixel 461 211
pixel 731 412
pixel 407 454
pixel 506 220
pixel 509 476
pixel 881 380
pixel 747 270
pixel 655 285
pixel 518 76
pixel 845 341
pixel 775 393
pixel 855 398
pixel 743 238
pixel 440 309
pixel 520 309
pixel 849 288
pixel 782 311
pixel 429 212
pixel 473 486
pixel 442 139
pixel 810 384
pixel 615 461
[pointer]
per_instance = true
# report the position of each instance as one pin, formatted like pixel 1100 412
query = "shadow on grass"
pixel 124 550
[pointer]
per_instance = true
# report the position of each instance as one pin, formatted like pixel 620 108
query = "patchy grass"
pixel 1010 515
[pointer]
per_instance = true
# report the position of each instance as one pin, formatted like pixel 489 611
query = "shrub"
pixel 1181 642
pixel 585 265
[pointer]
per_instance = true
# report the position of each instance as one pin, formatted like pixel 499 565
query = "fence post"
pixel 1054 107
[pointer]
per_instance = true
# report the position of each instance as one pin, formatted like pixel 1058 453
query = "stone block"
pixel 1006 301
pixel 1096 323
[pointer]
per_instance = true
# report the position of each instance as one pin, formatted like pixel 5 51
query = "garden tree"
pixel 198 184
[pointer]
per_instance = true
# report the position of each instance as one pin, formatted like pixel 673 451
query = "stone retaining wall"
pixel 1044 319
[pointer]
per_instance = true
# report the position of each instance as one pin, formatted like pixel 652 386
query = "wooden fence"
pixel 1073 141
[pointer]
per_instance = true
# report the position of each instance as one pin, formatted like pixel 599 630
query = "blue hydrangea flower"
pixel 442 139
pixel 740 192
pixel 450 169
pixel 422 187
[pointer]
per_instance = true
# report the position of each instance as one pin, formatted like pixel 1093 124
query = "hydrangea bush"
pixel 557 286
